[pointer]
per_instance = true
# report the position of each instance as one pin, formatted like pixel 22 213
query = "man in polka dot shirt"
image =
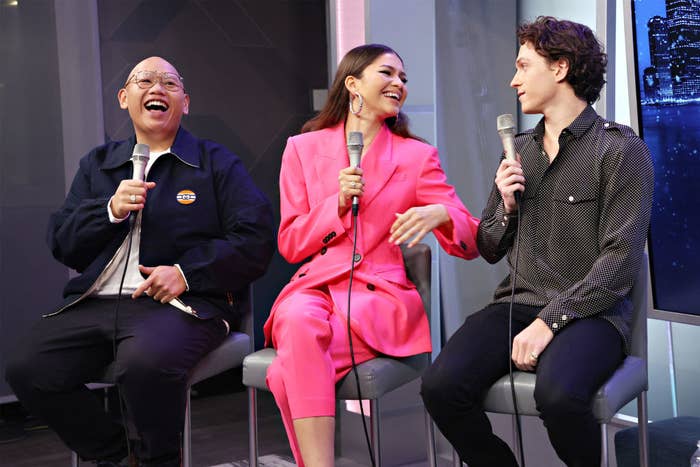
pixel 572 212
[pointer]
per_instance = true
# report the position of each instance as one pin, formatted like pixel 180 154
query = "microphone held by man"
pixel 204 248
pixel 511 172
pixel 131 193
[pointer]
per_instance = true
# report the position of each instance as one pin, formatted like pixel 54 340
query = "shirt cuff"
pixel 555 320
pixel 505 222
pixel 187 286
pixel 116 220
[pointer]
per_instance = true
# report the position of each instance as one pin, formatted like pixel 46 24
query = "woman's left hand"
pixel 417 222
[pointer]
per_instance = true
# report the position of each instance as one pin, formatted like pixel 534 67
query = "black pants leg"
pixel 155 357
pixel 47 372
pixel 454 386
pixel 572 368
pixel 574 365
pixel 157 348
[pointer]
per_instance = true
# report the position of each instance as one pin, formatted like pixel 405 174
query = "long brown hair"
pixel 336 108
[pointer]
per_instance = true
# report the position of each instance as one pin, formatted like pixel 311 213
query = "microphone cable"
pixel 122 409
pixel 352 351
pixel 518 427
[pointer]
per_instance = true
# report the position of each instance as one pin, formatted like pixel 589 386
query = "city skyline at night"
pixel 673 73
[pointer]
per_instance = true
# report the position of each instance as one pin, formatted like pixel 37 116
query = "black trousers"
pixel 579 359
pixel 157 347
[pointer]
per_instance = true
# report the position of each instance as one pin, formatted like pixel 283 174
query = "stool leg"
pixel 430 431
pixel 252 427
pixel 374 425
pixel 643 426
pixel 604 441
pixel 187 435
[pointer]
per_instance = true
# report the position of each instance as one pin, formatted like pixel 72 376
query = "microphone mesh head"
pixel 505 122
pixel 355 138
pixel 141 152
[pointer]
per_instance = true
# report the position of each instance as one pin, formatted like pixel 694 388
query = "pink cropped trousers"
pixel 313 353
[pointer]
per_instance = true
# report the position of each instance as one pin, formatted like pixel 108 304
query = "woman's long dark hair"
pixel 336 108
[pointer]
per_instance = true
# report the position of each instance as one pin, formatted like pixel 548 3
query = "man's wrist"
pixel 187 286
pixel 112 218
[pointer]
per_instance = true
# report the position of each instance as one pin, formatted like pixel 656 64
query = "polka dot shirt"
pixel 584 222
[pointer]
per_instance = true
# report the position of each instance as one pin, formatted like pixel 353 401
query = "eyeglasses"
pixel 148 79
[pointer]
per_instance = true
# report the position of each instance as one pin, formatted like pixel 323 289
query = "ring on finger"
pixel 132 198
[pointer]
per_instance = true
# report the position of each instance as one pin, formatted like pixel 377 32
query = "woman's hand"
pixel 417 222
pixel 350 183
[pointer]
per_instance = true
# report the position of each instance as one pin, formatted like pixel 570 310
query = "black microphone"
pixel 140 158
pixel 355 144
pixel 506 130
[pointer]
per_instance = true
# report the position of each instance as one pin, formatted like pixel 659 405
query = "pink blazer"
pixel 399 173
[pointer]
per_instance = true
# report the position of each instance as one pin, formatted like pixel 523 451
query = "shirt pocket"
pixel 575 218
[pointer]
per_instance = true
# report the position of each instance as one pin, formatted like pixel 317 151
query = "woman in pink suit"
pixel 403 195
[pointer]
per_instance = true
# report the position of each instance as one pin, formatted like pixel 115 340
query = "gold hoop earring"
pixel 353 111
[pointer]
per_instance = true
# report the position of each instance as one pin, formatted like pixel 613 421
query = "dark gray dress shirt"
pixel 584 222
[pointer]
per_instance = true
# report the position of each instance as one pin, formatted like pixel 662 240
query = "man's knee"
pixel 136 368
pixel 555 401
pixel 441 389
pixel 15 371
pixel 21 371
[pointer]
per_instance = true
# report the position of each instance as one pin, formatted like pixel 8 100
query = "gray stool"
pixel 377 376
pixel 628 381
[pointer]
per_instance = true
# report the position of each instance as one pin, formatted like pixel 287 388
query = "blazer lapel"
pixel 378 165
pixel 330 157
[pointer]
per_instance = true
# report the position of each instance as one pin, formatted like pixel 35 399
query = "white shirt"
pixel 107 284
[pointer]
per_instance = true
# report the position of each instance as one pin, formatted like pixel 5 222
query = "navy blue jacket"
pixel 223 240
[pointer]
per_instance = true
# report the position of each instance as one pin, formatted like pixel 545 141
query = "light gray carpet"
pixel 264 461
pixel 283 461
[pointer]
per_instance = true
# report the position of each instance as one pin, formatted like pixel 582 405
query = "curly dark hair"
pixel 336 108
pixel 556 39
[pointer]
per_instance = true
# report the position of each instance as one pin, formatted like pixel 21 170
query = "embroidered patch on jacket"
pixel 186 197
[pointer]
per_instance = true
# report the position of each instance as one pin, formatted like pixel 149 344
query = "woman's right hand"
pixel 350 183
pixel 509 179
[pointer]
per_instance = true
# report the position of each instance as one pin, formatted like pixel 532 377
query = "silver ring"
pixel 534 355
pixel 132 198
pixel 354 184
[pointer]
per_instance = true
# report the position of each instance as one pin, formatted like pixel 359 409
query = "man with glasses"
pixel 179 248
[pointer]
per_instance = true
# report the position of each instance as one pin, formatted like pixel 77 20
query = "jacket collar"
pixel 377 162
pixel 184 148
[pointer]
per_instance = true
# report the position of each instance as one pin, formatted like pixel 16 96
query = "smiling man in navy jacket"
pixel 202 232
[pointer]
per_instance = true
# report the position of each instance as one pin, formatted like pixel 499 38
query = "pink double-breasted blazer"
pixel 399 173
